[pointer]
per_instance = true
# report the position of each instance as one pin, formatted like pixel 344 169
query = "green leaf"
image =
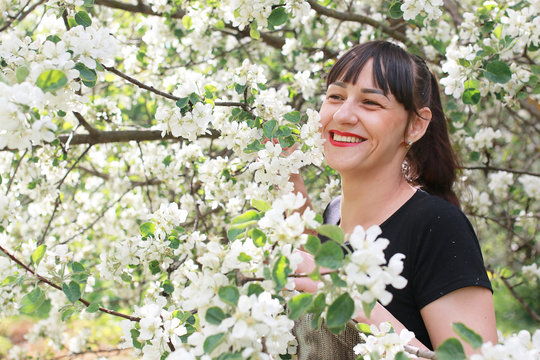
pixel 187 21
pixel 93 307
pixel 278 16
pixel 340 311
pixel 280 272
pixel 32 301
pixel 211 342
pixel 269 128
pixel 395 10
pixel 258 237
pixel 255 289
pixel 450 349
pixel 44 309
pixel 401 356
pixel 167 286
pixel 336 280
pixel 72 291
pixel 230 356
pixel 22 73
pixel 471 96
pixel 253 32
pixel 317 308
pixel 54 38
pixel 363 328
pixel 229 294
pixel 38 254
pixel 368 307
pixel 330 255
pixel 286 142
pixel 147 228
pixel 468 335
pixel 215 315
pixel 85 72
pixel 293 116
pixel 498 71
pixel 313 244
pixel 246 218
pixel 77 267
pixel 254 147
pixel 333 232
pixel 67 312
pixel 260 205
pixel 154 267
pixel 298 305
pixel 82 18
pixel 243 257
pixel 235 231
pixel 240 88
pixel 51 80
pixel 134 335
pixel 182 102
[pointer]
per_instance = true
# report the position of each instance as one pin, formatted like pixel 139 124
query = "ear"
pixel 419 124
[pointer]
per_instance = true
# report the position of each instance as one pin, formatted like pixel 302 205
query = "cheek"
pixel 325 114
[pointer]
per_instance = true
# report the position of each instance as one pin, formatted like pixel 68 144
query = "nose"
pixel 346 113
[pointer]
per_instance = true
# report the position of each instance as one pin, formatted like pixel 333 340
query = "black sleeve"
pixel 448 257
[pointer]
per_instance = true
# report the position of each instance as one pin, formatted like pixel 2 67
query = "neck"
pixel 371 199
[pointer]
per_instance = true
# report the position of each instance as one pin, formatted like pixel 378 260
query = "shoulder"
pixel 426 209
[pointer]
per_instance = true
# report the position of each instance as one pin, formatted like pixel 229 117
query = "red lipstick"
pixel 344 144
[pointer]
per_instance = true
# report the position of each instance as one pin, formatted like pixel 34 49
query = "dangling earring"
pixel 409 143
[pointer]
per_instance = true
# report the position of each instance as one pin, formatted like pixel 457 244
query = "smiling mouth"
pixel 345 139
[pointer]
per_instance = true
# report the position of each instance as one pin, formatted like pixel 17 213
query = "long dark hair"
pixel 430 162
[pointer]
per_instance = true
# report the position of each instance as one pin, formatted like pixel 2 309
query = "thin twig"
pixel 84 123
pixel 59 183
pixel 48 282
pixel 56 204
pixel 22 14
pixel 426 354
pixel 493 168
pixel 11 179
pixel 522 302
pixel 358 18
pixel 97 218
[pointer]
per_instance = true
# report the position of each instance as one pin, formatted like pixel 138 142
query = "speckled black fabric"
pixel 441 251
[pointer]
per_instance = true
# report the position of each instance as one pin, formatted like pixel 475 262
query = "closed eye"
pixel 371 103
pixel 334 97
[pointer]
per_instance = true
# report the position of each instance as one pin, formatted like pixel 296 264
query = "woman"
pixel 386 135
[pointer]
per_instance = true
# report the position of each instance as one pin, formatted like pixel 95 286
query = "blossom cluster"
pixel 523 346
pixel 383 343
pixel 365 273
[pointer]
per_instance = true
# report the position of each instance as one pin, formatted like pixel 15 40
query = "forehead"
pixel 361 71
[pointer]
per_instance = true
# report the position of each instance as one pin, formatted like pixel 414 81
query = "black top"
pixel 441 251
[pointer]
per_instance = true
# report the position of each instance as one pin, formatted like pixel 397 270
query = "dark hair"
pixel 430 162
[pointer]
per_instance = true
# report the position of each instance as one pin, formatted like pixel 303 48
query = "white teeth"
pixel 348 139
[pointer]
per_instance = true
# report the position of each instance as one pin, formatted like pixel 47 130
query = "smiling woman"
pixel 386 135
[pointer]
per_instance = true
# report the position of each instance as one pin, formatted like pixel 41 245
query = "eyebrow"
pixel 364 90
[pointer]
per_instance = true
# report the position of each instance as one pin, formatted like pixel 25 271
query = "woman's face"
pixel 364 129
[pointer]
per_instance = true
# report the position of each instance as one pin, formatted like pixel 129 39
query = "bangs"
pixel 392 69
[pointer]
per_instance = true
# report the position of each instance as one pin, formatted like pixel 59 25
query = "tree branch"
pixel 426 354
pixel 12 178
pixel 527 308
pixel 493 168
pixel 452 7
pixel 271 40
pixel 106 137
pixel 22 14
pixel 50 283
pixel 357 18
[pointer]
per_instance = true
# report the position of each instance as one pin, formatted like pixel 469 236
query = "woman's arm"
pixel 472 306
